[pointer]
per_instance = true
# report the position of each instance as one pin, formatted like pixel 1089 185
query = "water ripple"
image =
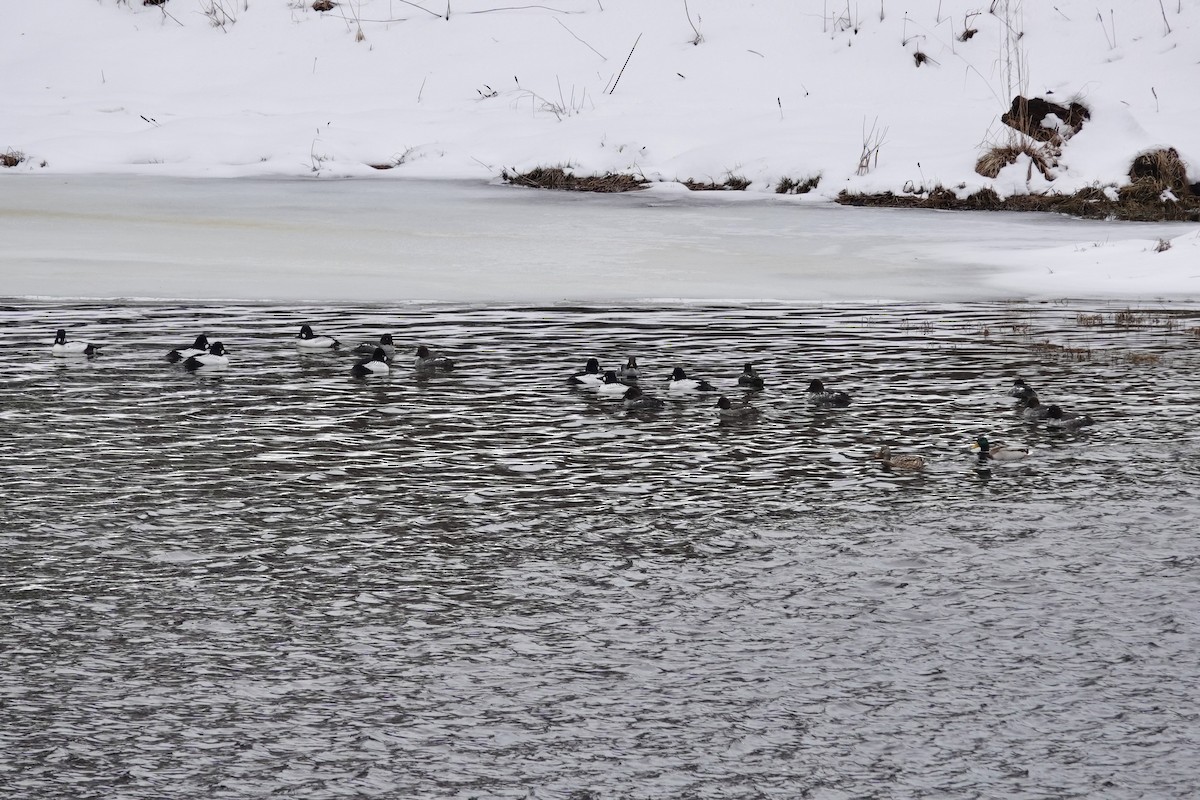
pixel 280 580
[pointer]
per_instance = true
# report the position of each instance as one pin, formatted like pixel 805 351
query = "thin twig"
pixel 585 44
pixel 626 64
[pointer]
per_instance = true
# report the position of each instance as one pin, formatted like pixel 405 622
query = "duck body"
pixel 590 378
pixel 1065 420
pixel 427 362
pixel 198 348
pixel 1033 409
pixel 64 348
pixel 385 343
pixel 899 460
pixel 310 341
pixel 214 359
pixel 819 395
pixel 749 378
pixel 680 383
pixel 376 365
pixel 611 386
pixel 734 412
pixel 630 372
pixel 636 400
pixel 1000 452
pixel 1021 390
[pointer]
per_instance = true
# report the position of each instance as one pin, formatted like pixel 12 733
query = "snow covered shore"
pixel 869 96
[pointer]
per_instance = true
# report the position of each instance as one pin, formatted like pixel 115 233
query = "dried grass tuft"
pixel 999 157
pixel 793 186
pixel 561 180
pixel 323 5
pixel 1089 320
pixel 734 183
pixel 10 158
pixel 1161 168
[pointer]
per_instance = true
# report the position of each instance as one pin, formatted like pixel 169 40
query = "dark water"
pixel 281 581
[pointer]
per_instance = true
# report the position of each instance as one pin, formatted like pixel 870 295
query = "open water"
pixel 279 581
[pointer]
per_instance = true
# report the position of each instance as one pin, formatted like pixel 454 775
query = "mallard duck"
pixel 728 411
pixel 1000 452
pixel 902 461
pixel 750 378
pixel 817 393
pixel 1065 420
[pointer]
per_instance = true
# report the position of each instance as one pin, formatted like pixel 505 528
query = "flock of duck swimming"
pixel 617 384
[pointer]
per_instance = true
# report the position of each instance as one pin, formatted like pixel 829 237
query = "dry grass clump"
pixel 1162 168
pixel 793 186
pixel 1089 320
pixel 560 179
pixel 10 157
pixel 323 5
pixel 1139 202
pixel 734 183
pixel 999 157
pixel 1162 245
pixel 1048 348
pixel 985 199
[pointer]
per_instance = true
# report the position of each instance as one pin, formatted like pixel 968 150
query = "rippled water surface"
pixel 282 581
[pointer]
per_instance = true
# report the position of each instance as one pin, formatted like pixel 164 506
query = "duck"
pixel 999 452
pixel 749 378
pixel 590 378
pixel 637 400
pixel 308 340
pixel 817 393
pixel 198 348
pixel 681 383
pixel 215 358
pixel 1066 421
pixel 1033 409
pixel 611 386
pixel 427 362
pixel 376 365
pixel 899 461
pixel 728 412
pixel 629 372
pixel 1021 390
pixel 64 348
pixel 385 343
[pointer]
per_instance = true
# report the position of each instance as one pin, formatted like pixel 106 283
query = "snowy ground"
pixel 702 89
pixel 772 89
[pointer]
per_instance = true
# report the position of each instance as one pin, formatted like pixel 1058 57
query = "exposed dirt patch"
pixel 1028 115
